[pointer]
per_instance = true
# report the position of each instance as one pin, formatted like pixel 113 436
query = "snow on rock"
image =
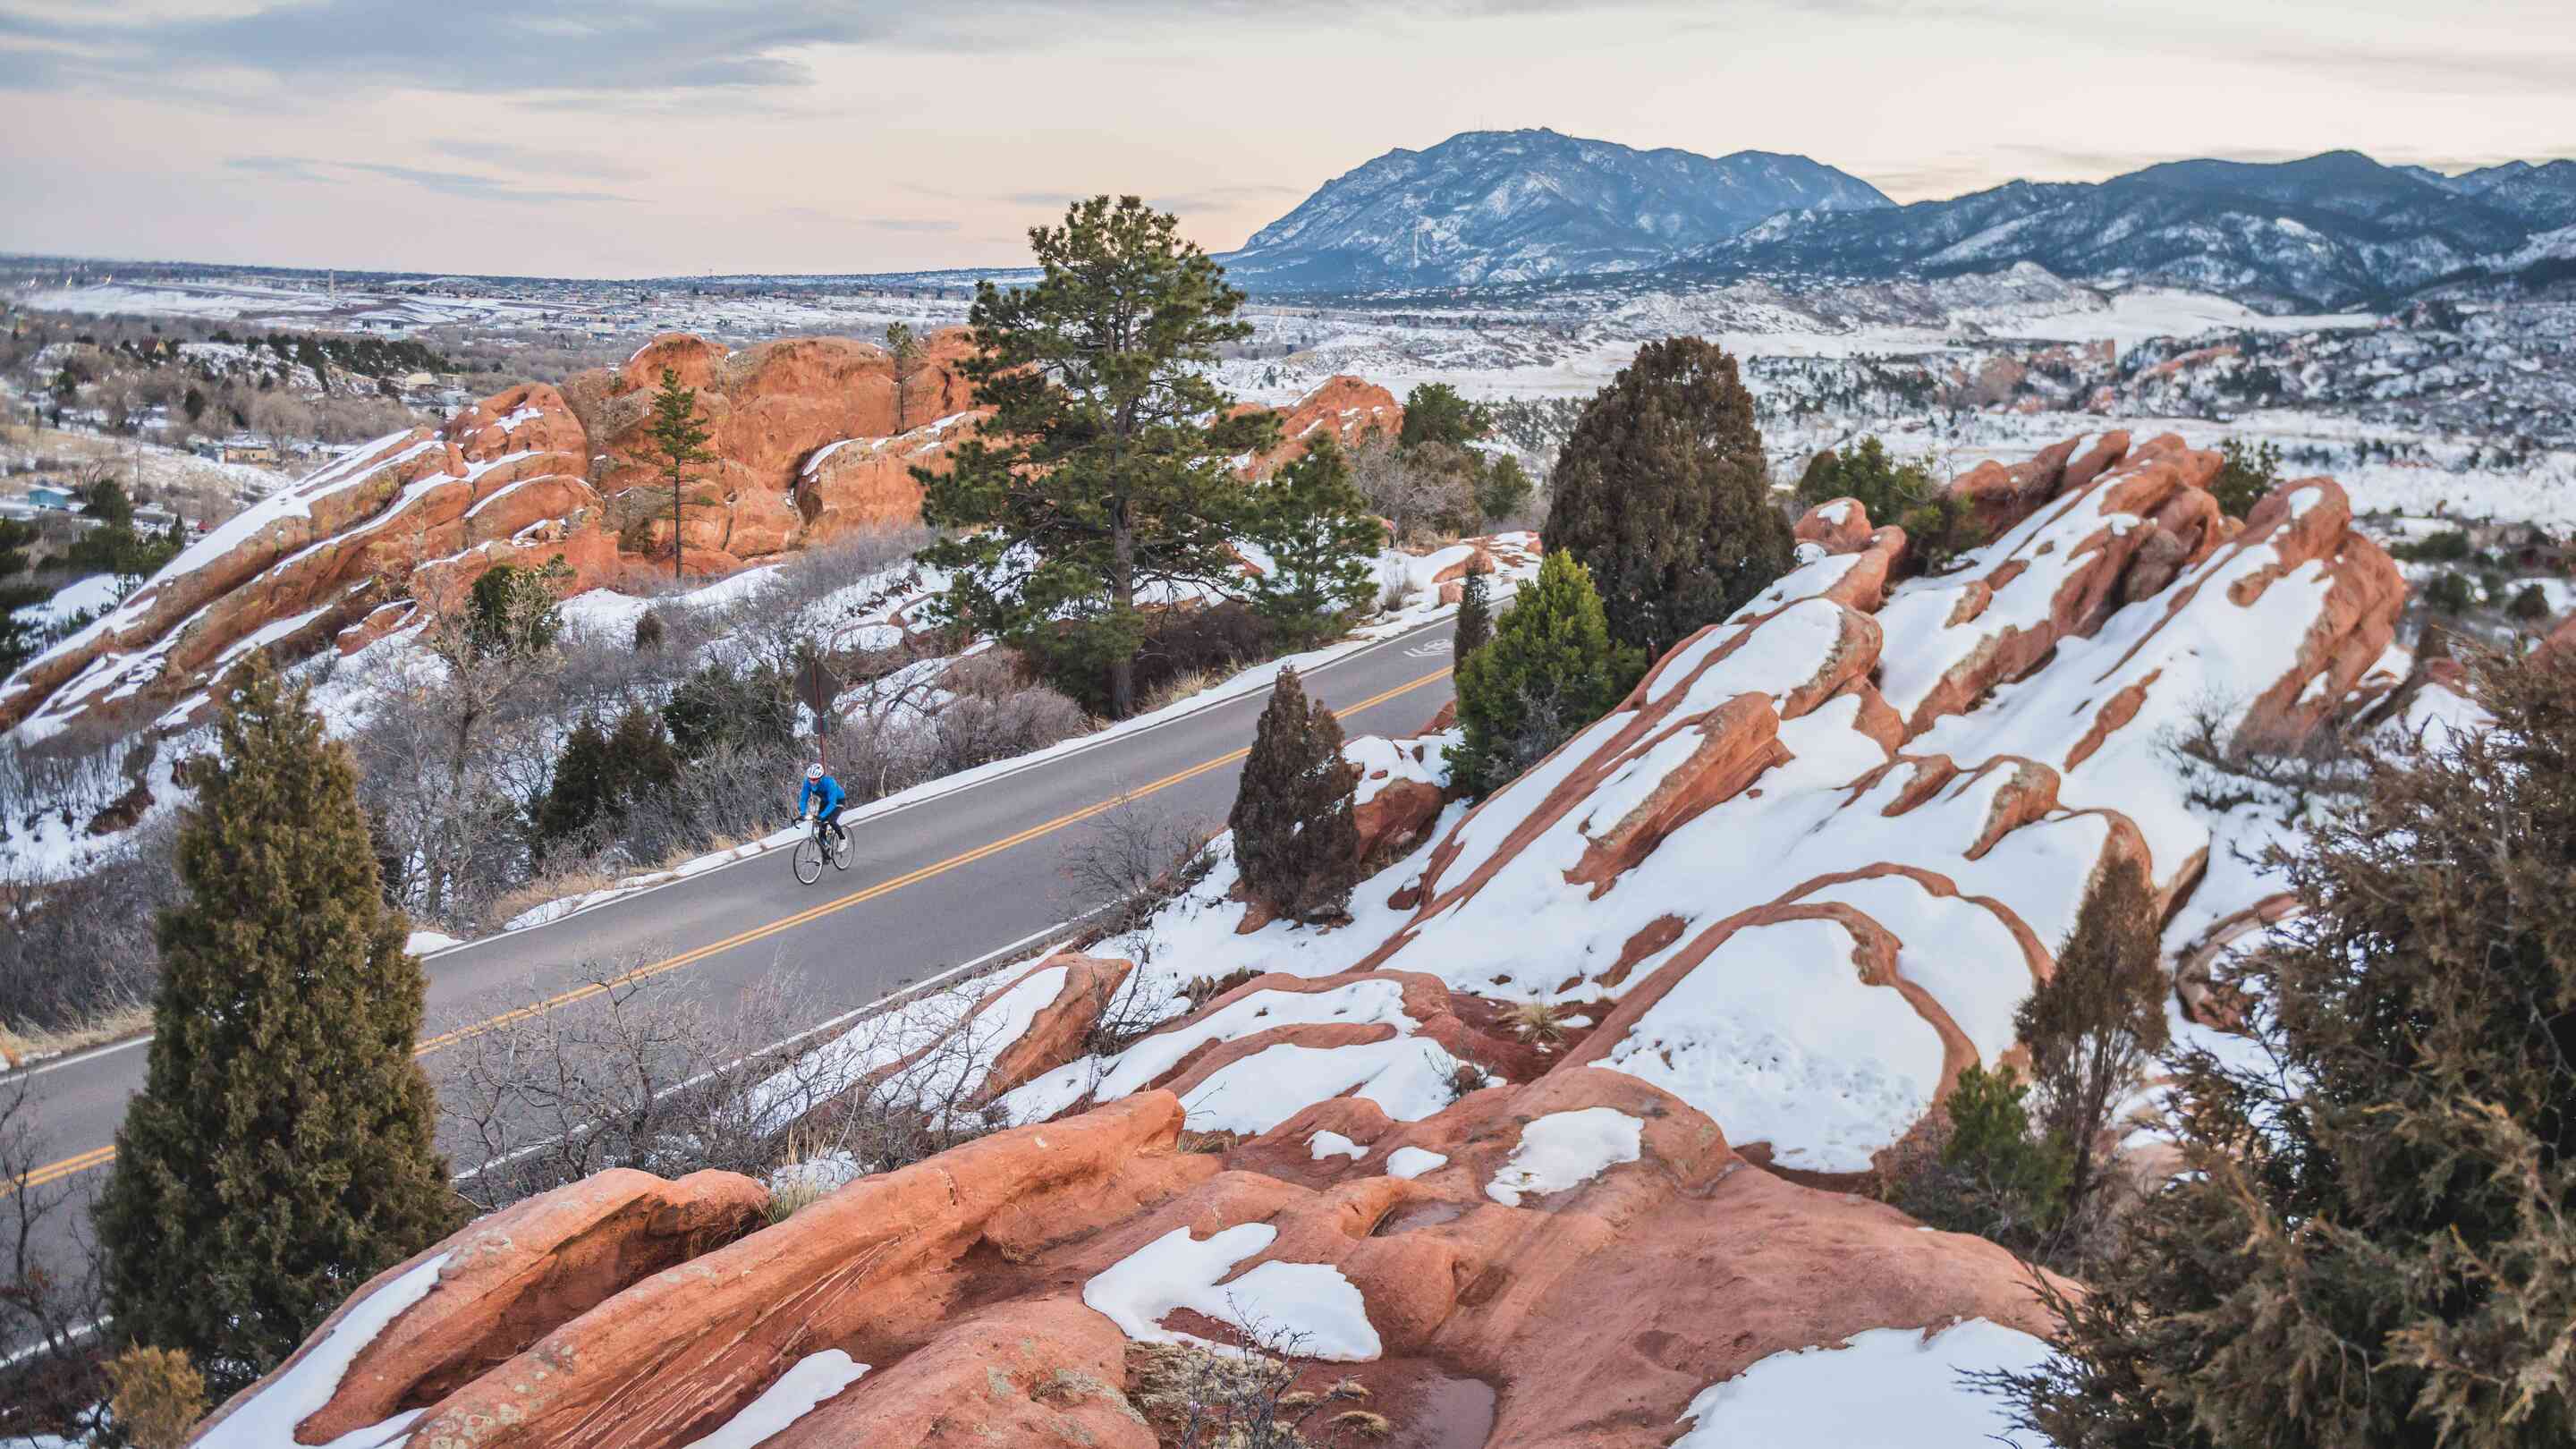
pixel 1563 1150
pixel 1915 778
pixel 1311 1302
pixel 270 1415
pixel 432 507
pixel 1334 1144
pixel 816 1377
pixel 1409 1162
pixel 1778 1037
pixel 1889 1388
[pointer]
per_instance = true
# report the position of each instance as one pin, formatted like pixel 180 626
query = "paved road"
pixel 932 885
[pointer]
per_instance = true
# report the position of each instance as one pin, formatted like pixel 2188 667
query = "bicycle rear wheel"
pixel 809 860
pixel 841 852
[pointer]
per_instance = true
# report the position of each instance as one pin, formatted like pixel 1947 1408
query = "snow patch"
pixel 1566 1149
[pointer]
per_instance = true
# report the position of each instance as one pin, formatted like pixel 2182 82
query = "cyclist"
pixel 824 794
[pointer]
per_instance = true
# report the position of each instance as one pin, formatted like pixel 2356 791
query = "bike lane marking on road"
pixel 101 1156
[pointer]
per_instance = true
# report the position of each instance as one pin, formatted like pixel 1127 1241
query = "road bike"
pixel 815 848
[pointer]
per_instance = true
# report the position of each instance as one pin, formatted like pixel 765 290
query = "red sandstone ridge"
pixel 808 449
pixel 1765 912
pixel 415 516
pixel 1346 407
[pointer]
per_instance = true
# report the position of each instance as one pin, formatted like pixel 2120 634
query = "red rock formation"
pixel 1838 525
pixel 418 515
pixel 1752 788
pixel 1348 408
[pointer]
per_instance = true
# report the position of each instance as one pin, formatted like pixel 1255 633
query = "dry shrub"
pixel 158 1396
pixel 1536 1021
pixel 1201 1397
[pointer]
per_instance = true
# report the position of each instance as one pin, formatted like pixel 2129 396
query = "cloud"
pixel 538 159
pixel 616 47
pixel 464 184
pixel 818 216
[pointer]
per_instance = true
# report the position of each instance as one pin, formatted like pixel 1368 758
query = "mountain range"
pixel 1491 208
pixel 1516 206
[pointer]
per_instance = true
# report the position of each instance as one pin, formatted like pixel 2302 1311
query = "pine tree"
pixel 1294 837
pixel 676 441
pixel 2098 1019
pixel 2370 1241
pixel 1550 670
pixel 280 1152
pixel 1435 413
pixel 1662 492
pixel 903 351
pixel 1475 610
pixel 17 636
pixel 1939 525
pixel 1106 471
pixel 583 786
pixel 2248 476
pixel 1320 538
pixel 1504 489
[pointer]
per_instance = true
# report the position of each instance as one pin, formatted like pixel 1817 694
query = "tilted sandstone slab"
pixel 500 482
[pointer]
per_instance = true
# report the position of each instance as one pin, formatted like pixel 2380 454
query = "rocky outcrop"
pixel 776 412
pixel 1574 1117
pixel 1346 408
pixel 992 1294
pixel 411 518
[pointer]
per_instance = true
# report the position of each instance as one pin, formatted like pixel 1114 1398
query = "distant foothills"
pixel 1489 212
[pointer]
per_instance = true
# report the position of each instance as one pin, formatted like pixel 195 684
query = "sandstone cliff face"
pixel 772 410
pixel 1770 907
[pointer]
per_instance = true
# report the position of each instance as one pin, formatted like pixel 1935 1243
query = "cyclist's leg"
pixel 839 831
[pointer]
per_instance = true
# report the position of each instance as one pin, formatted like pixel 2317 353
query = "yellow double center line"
pixel 101 1156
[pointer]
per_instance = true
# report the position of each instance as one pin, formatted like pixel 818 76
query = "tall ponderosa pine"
pixel 1551 669
pixel 2098 1019
pixel 675 442
pixel 2372 1240
pixel 1104 475
pixel 1294 837
pixel 280 1153
pixel 1662 492
pixel 1320 536
pixel 904 358
pixel 1475 610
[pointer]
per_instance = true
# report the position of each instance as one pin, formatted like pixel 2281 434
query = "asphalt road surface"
pixel 932 885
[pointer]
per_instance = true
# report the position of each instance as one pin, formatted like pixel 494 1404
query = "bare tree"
pixel 639 1071
pixel 281 419
pixel 51 1297
pixel 1128 861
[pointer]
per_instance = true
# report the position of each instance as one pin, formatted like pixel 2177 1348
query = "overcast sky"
pixel 654 137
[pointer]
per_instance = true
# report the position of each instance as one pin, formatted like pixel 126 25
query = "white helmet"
pixel 814 772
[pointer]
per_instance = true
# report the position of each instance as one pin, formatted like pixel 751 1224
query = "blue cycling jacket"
pixel 827 788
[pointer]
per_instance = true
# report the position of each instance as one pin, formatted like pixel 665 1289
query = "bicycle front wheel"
pixel 809 860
